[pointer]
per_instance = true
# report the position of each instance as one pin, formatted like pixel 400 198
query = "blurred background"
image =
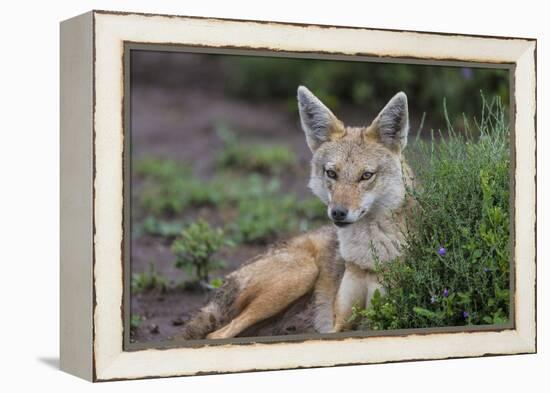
pixel 220 165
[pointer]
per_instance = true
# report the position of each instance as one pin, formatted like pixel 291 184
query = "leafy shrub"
pixel 454 269
pixel 147 281
pixel 253 157
pixel 195 247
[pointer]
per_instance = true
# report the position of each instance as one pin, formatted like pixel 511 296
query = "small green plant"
pixel 263 213
pixel 161 169
pixel 216 282
pixel 195 247
pixel 135 321
pixel 147 281
pixel 234 189
pixel 454 268
pixel 261 219
pixel 380 314
pixel 170 197
pixel 269 159
pixel 170 187
pixel 155 227
pixel 165 183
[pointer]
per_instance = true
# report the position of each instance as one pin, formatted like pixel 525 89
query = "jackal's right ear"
pixel 318 122
pixel 392 123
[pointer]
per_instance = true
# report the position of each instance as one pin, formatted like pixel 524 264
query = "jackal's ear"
pixel 318 122
pixel 392 123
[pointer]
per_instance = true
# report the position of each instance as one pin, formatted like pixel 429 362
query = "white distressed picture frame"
pixel 92 190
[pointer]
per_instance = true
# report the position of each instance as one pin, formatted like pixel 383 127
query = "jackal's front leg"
pixel 352 292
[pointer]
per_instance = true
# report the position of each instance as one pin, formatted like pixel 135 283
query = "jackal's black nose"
pixel 338 213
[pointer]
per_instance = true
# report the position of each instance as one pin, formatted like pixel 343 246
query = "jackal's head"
pixel 355 171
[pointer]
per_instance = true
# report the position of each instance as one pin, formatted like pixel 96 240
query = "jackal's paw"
pixel 214 336
pixel 337 328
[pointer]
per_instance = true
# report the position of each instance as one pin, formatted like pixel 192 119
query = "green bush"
pixel 253 157
pixel 455 267
pixel 195 247
pixel 147 281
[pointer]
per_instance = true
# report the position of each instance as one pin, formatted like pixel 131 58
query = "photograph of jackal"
pixel 286 196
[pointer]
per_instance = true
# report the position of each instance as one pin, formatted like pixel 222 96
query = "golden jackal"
pixel 361 175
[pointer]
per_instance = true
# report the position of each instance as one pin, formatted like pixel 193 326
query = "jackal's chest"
pixel 364 245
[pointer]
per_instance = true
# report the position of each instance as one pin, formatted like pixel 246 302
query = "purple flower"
pixel 445 292
pixel 432 299
pixel 465 314
pixel 442 251
pixel 486 269
pixel 467 73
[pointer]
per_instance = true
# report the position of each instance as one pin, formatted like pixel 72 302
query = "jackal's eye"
pixel 330 174
pixel 366 175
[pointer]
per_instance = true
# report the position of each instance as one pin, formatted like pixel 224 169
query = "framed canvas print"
pixel 245 195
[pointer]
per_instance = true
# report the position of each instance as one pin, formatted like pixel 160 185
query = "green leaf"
pixel 425 313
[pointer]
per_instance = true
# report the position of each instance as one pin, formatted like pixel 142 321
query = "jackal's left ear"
pixel 392 123
pixel 319 123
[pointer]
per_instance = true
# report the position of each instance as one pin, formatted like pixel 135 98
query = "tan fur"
pixel 337 264
pixel 273 281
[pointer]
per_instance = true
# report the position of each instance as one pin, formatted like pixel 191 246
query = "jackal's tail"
pixel 214 315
